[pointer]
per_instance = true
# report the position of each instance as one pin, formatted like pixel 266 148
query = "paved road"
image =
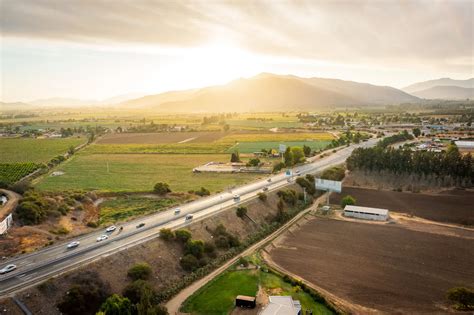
pixel 54 260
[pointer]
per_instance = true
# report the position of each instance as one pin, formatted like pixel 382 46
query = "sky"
pixel 94 49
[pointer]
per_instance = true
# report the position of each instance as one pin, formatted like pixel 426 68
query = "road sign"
pixel 282 148
pixel 328 185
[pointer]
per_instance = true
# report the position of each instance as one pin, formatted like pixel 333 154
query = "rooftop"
pixel 281 305
pixel 366 210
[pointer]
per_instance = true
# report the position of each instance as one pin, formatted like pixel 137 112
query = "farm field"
pixel 160 137
pixel 250 147
pixel 35 150
pixel 449 207
pixel 139 172
pixel 384 267
pixel 217 297
pixel 12 172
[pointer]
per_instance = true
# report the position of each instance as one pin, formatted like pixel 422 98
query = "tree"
pixel 253 162
pixel 298 155
pixel 135 290
pixel 195 248
pixel 416 132
pixel 30 213
pixel 278 167
pixel 202 192
pixel 348 200
pixel 234 157
pixel 241 211
pixel 140 271
pixel 226 127
pixel 288 157
pixel 148 306
pixel 182 235
pixel 462 297
pixel 117 305
pixel 71 150
pixel 306 150
pixel 166 234
pixel 189 262
pixel 262 196
pixel 161 188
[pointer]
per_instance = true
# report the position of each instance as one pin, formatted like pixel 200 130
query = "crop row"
pixel 13 172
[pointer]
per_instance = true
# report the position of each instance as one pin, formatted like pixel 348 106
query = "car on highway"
pixel 102 238
pixel 73 244
pixel 265 188
pixel 269 180
pixel 297 172
pixel 111 228
pixel 7 269
pixel 289 180
pixel 177 211
pixel 236 197
pixel 188 217
pixel 140 225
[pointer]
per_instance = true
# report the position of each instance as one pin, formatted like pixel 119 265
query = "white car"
pixel 73 244
pixel 236 197
pixel 177 211
pixel 102 238
pixel 7 269
pixel 111 228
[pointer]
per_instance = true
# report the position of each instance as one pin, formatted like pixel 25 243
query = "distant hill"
pixel 269 92
pixel 444 88
pixel 72 102
pixel 14 106
pixel 446 92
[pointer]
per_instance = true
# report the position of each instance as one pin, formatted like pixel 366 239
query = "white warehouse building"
pixel 366 213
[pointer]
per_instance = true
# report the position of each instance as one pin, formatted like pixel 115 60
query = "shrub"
pixel 21 187
pixel 117 305
pixel 241 211
pixel 262 196
pixel 166 234
pixel 348 200
pixel 203 192
pixel 30 213
pixel 253 162
pixel 289 196
pixel 278 167
pixel 140 271
pixel 189 262
pixel 222 242
pixel 462 297
pixel 135 290
pixel 195 248
pixel 161 188
pixel 234 157
pixel 336 173
pixel 243 262
pixel 183 235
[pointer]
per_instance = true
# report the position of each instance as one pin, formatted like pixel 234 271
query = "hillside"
pixel 14 106
pixel 446 92
pixel 269 92
pixel 420 86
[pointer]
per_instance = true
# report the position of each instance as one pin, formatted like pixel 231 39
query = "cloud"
pixel 423 33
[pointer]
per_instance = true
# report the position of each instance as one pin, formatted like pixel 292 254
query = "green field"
pixel 12 172
pixel 249 147
pixel 34 150
pixel 139 172
pixel 122 208
pixel 217 297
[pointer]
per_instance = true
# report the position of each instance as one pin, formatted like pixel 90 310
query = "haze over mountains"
pixel 444 88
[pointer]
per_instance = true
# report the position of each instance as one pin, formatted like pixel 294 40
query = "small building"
pixel 282 305
pixel 366 213
pixel 245 301
pixel 465 145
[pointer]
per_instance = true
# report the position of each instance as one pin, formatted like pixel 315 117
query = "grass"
pixel 170 148
pixel 122 208
pixel 34 150
pixel 139 172
pixel 253 137
pixel 217 297
pixel 249 147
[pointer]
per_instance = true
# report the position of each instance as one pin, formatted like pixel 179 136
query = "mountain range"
pixel 444 88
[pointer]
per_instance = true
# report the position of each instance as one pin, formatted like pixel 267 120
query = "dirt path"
pixel 12 202
pixel 174 304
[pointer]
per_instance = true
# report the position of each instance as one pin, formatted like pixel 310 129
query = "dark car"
pixel 140 225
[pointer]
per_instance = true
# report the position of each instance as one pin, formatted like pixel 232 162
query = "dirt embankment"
pixel 162 256
pixel 12 201
pixel 388 267
pixel 454 206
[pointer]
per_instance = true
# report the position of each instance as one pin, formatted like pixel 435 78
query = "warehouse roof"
pixel 366 210
pixel 465 144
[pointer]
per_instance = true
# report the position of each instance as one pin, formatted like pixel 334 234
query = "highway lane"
pixel 56 259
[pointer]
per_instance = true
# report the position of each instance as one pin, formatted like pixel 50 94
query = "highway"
pixel 54 260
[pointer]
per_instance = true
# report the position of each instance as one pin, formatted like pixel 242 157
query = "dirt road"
pixel 12 202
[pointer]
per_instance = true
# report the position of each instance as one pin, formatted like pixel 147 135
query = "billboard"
pixel 6 224
pixel 282 148
pixel 328 185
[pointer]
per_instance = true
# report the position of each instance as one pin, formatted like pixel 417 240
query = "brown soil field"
pixel 384 267
pixel 160 137
pixel 162 256
pixel 449 206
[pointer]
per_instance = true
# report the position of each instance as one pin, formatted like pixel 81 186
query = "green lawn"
pixel 139 172
pixel 34 150
pixel 217 297
pixel 249 147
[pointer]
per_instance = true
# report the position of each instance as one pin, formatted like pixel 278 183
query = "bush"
pixel 462 297
pixel 262 196
pixel 161 188
pixel 336 173
pixel 348 200
pixel 21 187
pixel 183 235
pixel 243 262
pixel 30 213
pixel 140 271
pixel 166 234
pixel 189 262
pixel 241 211
pixel 253 162
pixel 234 157
pixel 135 290
pixel 278 167
pixel 117 305
pixel 202 192
pixel 289 196
pixel 222 242
pixel 195 248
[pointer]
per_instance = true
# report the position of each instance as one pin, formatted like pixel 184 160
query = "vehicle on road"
pixel 73 244
pixel 111 228
pixel 102 238
pixel 236 197
pixel 265 188
pixel 188 217
pixel 289 180
pixel 140 225
pixel 177 211
pixel 7 269
pixel 297 172
pixel 269 180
